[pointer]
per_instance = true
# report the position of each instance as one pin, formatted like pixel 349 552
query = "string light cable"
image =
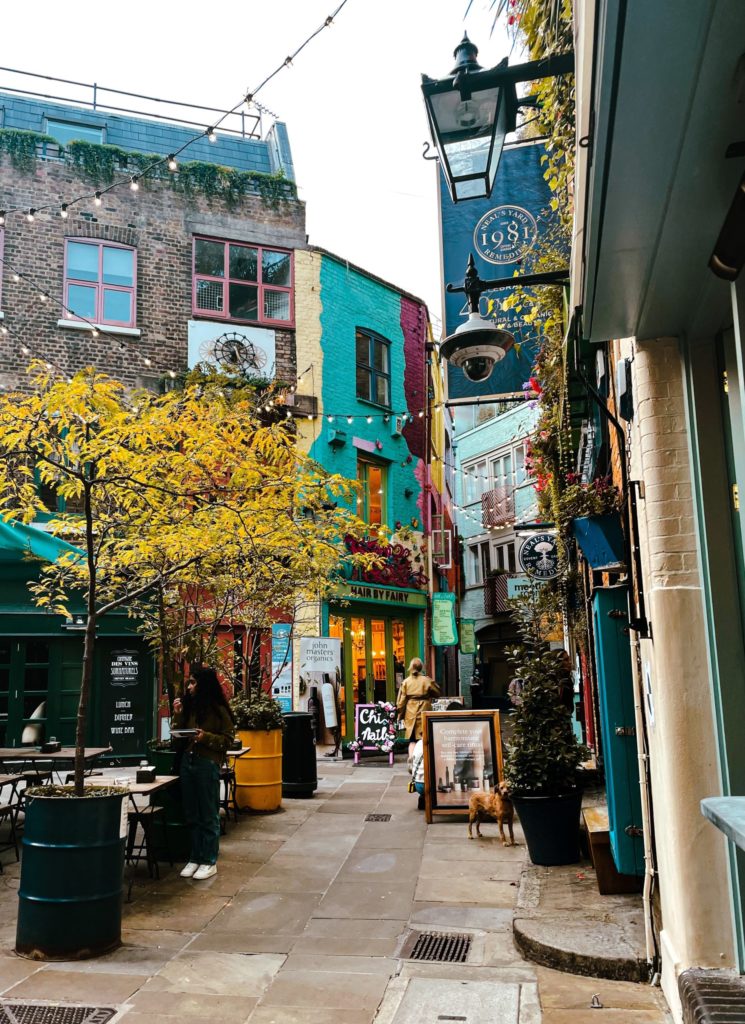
pixel 171 160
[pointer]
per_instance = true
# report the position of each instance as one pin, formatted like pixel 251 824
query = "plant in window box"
pixel 592 512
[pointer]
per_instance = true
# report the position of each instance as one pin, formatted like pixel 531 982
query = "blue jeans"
pixel 200 793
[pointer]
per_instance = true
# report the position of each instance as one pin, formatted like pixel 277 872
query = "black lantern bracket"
pixel 474 287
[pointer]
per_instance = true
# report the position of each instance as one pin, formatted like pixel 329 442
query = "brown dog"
pixel 495 806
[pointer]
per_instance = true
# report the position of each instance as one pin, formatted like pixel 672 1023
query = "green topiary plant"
pixel 544 754
pixel 256 711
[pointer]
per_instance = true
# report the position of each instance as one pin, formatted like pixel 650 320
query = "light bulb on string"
pixel 172 162
pixel 147 361
pixel 3 330
pixel 330 419
pixel 2 217
pixel 30 215
pixel 212 135
pixel 421 413
pixel 63 211
pixel 134 183
pixel 369 419
pixel 97 200
pixel 349 419
pixel 172 374
pixel 94 332
pixel 25 351
pixel 16 278
pixel 43 297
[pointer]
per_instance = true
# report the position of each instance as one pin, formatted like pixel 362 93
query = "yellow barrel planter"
pixel 258 774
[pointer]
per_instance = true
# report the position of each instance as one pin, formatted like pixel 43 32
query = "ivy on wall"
pixel 23 147
pixel 102 164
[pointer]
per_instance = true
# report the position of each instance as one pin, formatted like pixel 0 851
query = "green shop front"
pixel 381 629
pixel 41 662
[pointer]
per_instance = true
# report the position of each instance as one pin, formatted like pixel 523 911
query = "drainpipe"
pixel 427 510
pixel 639 627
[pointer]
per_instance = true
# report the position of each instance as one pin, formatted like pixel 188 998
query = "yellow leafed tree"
pixel 165 494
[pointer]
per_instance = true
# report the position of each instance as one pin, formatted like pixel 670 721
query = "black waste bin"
pixel 299 772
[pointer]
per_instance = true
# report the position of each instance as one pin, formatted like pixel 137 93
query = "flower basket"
pixel 601 540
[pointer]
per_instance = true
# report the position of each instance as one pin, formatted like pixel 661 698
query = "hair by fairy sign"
pixel 374 729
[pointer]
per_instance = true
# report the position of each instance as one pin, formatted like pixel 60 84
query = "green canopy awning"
pixel 15 536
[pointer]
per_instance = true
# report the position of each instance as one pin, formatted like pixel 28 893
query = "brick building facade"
pixel 159 224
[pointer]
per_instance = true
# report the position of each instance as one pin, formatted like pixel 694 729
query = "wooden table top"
pixel 7 780
pixel 64 754
pixel 135 788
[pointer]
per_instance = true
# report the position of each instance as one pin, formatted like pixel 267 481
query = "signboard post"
pixel 444 629
pixel 462 754
pixel 374 729
pixel 282 664
pixel 467 636
pixel 124 702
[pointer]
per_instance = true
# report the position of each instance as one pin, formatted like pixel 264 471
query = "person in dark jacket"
pixel 205 709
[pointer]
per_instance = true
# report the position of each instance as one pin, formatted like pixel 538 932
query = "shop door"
pixel 375 652
pixel 616 695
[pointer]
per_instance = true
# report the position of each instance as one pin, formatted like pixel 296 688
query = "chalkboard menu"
pixel 374 729
pixel 124 694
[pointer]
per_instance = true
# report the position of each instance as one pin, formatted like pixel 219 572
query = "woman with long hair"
pixel 414 697
pixel 205 709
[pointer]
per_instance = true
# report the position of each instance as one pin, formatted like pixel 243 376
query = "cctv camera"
pixel 476 346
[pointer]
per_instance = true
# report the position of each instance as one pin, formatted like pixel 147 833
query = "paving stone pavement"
pixel 306 920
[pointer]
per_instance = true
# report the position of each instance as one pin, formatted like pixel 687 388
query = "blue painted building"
pixel 362 354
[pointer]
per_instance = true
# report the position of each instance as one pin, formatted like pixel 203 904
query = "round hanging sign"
pixel 539 556
pixel 505 234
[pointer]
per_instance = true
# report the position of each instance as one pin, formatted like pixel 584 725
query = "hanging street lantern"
pixel 472 110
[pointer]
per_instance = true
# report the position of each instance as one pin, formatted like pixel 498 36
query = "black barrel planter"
pixel 551 826
pixel 299 770
pixel 70 898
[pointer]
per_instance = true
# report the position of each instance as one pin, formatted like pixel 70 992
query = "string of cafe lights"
pixel 171 160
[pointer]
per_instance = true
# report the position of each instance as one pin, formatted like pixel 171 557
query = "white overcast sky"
pixel 351 100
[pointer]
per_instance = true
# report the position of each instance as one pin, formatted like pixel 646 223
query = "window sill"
pixel 78 325
pixel 267 325
pixel 374 405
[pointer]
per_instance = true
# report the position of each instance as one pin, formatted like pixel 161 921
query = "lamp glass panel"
pixel 465 128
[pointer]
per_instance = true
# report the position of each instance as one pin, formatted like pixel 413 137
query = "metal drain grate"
pixel 443 947
pixel 377 817
pixel 50 1013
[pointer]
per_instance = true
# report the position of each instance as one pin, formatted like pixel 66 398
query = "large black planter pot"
pixel 70 898
pixel 551 826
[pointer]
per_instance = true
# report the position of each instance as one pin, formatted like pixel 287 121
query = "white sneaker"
pixel 205 871
pixel 190 869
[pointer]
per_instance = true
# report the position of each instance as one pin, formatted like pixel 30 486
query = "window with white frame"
pixel 100 282
pixel 479 563
pixel 475 479
pixel 504 556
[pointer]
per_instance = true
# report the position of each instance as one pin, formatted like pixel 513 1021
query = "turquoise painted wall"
pixel 480 443
pixel 349 299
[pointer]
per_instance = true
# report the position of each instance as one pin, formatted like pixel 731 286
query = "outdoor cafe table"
pixel 65 756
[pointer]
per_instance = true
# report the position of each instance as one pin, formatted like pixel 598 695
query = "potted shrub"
pixel 258 774
pixel 544 755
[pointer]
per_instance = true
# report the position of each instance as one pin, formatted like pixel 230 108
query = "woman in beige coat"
pixel 413 698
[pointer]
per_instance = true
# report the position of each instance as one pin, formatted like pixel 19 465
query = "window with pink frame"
pixel 233 281
pixel 100 282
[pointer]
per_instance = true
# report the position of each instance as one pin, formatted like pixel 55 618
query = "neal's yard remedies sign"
pixel 374 729
pixel 503 232
pixel 124 700
pixel 539 556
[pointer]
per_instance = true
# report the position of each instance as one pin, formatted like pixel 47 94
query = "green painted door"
pixel 39 687
pixel 615 690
